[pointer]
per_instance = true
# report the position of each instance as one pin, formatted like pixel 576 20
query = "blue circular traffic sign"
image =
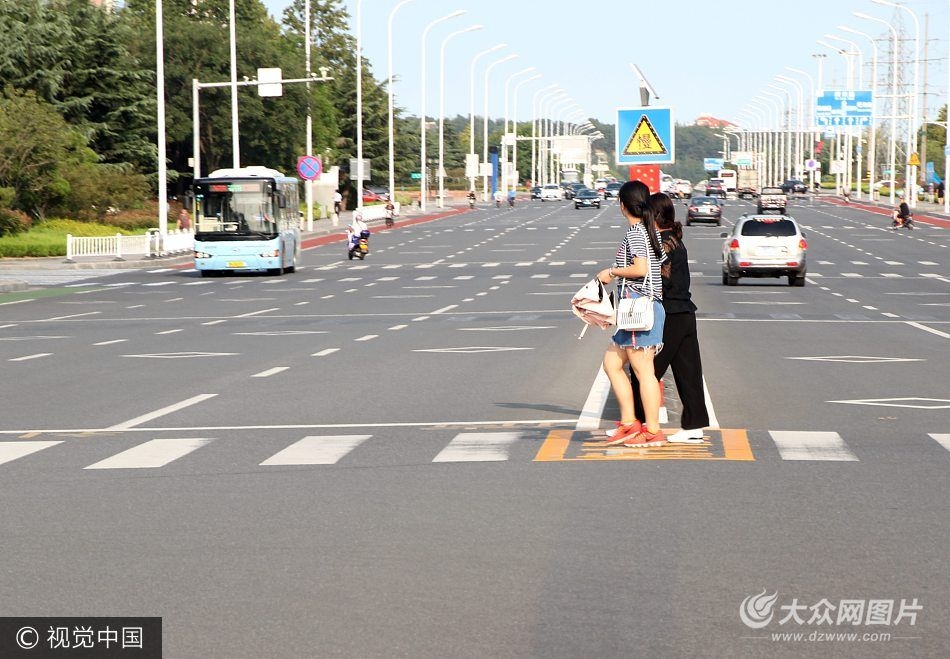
pixel 309 167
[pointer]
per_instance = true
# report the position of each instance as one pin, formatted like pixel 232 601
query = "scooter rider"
pixel 471 199
pixel 903 216
pixel 355 229
pixel 511 197
pixel 499 195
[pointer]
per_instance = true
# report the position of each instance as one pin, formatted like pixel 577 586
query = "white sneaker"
pixel 692 436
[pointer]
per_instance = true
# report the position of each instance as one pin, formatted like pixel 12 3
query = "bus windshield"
pixel 235 208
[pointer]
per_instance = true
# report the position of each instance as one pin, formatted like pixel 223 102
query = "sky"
pixel 701 57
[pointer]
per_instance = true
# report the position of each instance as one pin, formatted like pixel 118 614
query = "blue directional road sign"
pixel 645 136
pixel 844 107
pixel 713 164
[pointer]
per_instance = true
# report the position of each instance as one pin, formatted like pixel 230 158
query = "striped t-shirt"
pixel 635 244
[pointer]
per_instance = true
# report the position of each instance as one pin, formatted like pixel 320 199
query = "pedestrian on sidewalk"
pixel 637 348
pixel 184 219
pixel 680 340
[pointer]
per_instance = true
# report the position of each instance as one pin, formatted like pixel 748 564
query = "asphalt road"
pixel 400 457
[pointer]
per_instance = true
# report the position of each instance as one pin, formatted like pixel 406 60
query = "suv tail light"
pixel 802 245
pixel 734 244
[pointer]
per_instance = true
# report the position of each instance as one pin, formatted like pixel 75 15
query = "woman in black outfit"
pixel 680 341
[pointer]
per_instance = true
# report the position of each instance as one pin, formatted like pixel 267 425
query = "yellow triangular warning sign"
pixel 644 141
pixel 914 160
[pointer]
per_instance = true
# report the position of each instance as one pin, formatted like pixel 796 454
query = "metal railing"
pixel 151 244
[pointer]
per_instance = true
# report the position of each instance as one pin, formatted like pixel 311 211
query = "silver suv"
pixel 764 246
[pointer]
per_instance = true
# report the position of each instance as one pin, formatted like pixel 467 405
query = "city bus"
pixel 246 220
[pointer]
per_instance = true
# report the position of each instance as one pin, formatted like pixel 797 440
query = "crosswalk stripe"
pixel 478 447
pixel 151 454
pixel 316 450
pixel 942 439
pixel 10 451
pixel 812 445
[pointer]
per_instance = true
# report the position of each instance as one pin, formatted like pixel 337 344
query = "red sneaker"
pixel 644 439
pixel 622 433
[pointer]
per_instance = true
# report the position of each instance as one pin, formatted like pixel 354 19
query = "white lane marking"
pixel 398 297
pixel 109 343
pixel 257 313
pixel 75 315
pixel 188 402
pixel 151 454
pixel 271 371
pixel 710 410
pixel 316 450
pixel 3 304
pixel 367 337
pixel 6 326
pixel 215 322
pixel 443 309
pixel 10 451
pixel 942 439
pixel 594 405
pixel 325 352
pixel 929 329
pixel 812 445
pixel 478 447
pixel 398 327
pixel 28 357
pixel 171 331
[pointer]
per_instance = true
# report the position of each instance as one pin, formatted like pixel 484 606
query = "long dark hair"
pixel 660 206
pixel 634 196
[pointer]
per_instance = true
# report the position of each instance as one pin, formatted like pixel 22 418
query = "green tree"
pixel 36 146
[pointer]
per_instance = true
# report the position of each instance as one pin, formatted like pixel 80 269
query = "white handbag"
pixel 636 313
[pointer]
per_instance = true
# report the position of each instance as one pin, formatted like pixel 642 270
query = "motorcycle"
pixel 902 222
pixel 471 203
pixel 359 247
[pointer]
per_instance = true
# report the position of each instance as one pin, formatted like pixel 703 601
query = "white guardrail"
pixel 152 244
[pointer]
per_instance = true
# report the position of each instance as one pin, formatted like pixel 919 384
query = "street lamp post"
pixel 552 130
pixel 910 172
pixel 440 172
pixel 485 118
pixel 771 151
pixel 811 117
pixel 801 119
pixel 160 100
pixel 893 145
pixel 514 117
pixel 423 192
pixel 389 89
pixel 471 108
pixel 504 133
pixel 784 154
pixel 534 129
pixel 872 139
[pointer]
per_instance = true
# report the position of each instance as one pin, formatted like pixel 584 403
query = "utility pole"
pixel 923 114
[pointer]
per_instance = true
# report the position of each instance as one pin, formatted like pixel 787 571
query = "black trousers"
pixel 681 353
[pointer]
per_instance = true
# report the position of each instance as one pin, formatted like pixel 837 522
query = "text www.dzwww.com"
pixel 831 637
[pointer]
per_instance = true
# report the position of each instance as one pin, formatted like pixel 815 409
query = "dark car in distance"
pixel 587 198
pixel 536 192
pixel 715 188
pixel 794 185
pixel 704 209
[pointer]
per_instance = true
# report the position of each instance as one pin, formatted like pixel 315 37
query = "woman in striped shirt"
pixel 640 245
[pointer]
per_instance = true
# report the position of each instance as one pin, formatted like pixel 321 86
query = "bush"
pixel 13 222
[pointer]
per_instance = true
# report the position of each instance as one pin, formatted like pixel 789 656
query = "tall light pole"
pixel 504 133
pixel 910 172
pixel 555 108
pixel 811 116
pixel 843 178
pixel 857 51
pixel 872 140
pixel 160 101
pixel 471 107
pixel 543 146
pixel 894 62
pixel 389 89
pixel 784 109
pixel 534 129
pixel 485 118
pixel 514 117
pixel 235 134
pixel 946 136
pixel 359 105
pixel 440 172
pixel 771 152
pixel 797 157
pixel 423 192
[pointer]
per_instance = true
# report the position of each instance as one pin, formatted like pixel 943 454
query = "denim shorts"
pixel 646 339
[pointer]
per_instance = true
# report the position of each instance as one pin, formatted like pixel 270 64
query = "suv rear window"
pixel 768 227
